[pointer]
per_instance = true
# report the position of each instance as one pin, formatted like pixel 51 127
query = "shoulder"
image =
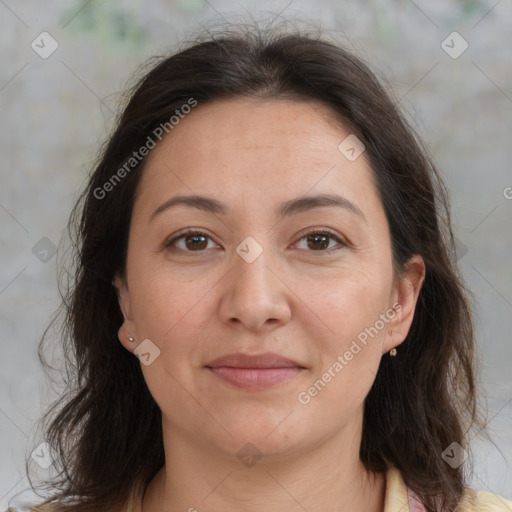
pixel 483 501
pixel 43 508
pixel 400 498
pixel 133 503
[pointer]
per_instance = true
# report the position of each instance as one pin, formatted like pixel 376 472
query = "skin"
pixel 297 299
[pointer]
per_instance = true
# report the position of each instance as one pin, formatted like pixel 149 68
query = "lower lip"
pixel 255 378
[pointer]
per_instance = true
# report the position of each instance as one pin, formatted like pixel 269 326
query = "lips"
pixel 257 361
pixel 254 372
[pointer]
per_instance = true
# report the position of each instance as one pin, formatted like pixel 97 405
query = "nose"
pixel 255 295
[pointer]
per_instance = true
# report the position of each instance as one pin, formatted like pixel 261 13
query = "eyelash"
pixel 191 232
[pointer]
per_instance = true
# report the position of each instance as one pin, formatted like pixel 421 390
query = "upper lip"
pixel 267 360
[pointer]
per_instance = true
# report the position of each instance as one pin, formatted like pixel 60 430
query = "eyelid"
pixel 322 230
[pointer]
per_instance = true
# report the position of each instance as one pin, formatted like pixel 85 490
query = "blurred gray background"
pixel 59 92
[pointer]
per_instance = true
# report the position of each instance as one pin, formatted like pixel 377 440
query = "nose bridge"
pixel 250 266
pixel 252 279
pixel 254 294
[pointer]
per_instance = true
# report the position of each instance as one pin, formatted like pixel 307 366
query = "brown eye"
pixel 191 241
pixel 318 241
pixel 194 242
pixel 321 241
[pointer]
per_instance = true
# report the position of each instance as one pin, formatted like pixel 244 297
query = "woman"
pixel 265 313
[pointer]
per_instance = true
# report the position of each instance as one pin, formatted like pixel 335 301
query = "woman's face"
pixel 292 265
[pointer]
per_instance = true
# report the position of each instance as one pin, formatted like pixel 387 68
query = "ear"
pixel 405 296
pixel 127 329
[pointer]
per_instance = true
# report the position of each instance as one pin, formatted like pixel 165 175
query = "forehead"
pixel 231 125
pixel 240 146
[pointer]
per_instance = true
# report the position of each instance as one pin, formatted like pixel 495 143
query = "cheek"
pixel 164 302
pixel 177 315
pixel 350 348
pixel 346 305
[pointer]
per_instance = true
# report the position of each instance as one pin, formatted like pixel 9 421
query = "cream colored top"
pixel 398 499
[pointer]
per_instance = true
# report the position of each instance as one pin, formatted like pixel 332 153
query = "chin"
pixel 273 433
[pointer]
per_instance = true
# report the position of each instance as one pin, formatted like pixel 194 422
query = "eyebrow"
pixel 288 208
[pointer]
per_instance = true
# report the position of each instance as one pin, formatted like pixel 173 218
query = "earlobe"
pixel 126 339
pixel 407 292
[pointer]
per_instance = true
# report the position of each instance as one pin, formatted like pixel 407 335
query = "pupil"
pixel 196 239
pixel 318 238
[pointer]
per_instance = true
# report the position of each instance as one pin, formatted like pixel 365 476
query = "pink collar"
pixel 415 505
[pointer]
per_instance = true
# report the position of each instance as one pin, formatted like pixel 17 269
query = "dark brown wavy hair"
pixel 106 430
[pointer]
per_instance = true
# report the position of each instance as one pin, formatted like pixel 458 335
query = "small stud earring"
pixel 131 340
pixel 392 352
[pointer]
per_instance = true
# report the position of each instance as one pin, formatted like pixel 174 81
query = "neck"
pixel 328 477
